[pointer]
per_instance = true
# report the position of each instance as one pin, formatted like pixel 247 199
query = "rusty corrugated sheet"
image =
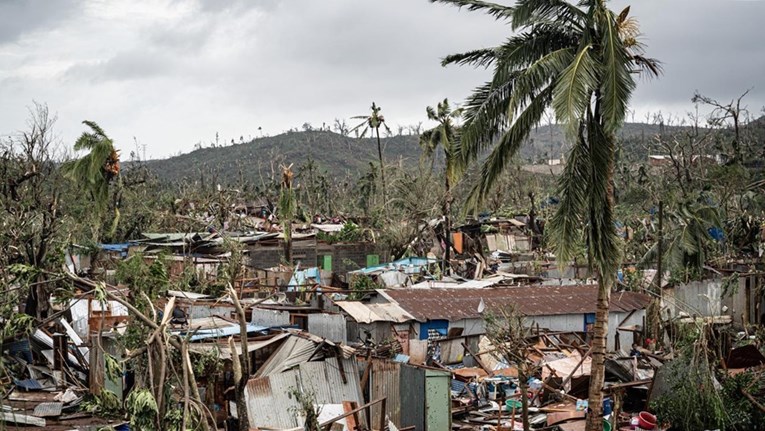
pixel 369 313
pixel 269 404
pixel 384 382
pixel 456 304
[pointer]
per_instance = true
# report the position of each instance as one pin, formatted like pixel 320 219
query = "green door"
pixel 438 402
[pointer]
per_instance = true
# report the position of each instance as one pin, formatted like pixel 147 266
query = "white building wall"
pixel 469 326
pixel 623 319
pixel 564 323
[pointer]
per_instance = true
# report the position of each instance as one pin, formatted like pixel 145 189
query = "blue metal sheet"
pixel 28 384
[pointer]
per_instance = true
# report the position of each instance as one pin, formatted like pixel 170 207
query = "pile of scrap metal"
pixel 51 370
pixel 486 390
pixel 72 355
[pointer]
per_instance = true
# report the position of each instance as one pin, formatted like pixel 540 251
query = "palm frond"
pixel 498 11
pixel 524 49
pixel 602 239
pixel 530 12
pixel 506 148
pixel 485 119
pixel 565 227
pixel 573 89
pixel 537 76
pixel 617 81
pixel 477 58
pixel 647 66
pixel 429 140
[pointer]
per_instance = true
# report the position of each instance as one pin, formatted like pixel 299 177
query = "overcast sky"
pixel 172 73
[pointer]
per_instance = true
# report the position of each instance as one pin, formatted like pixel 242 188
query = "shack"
pixel 412 315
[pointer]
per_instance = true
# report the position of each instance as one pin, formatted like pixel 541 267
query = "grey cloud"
pixel 706 45
pixel 230 67
pixel 20 17
pixel 126 65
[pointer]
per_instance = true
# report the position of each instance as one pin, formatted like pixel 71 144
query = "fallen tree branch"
pixel 753 400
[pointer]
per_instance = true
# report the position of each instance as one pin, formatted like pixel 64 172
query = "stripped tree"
pixel 373 122
pixel 445 135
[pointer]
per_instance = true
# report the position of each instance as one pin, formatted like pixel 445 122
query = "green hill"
pixel 335 153
pixel 341 155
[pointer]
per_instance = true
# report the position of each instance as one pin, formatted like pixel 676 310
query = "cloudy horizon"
pixel 169 74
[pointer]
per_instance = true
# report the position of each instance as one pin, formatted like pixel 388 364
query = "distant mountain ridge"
pixel 344 155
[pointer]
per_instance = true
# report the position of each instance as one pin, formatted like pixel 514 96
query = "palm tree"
pixel 580 60
pixel 96 170
pixel 287 210
pixel 445 135
pixel 373 122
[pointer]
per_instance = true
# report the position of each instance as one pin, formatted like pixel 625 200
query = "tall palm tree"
pixel 444 135
pixel 374 122
pixel 287 210
pixel 580 60
pixel 96 170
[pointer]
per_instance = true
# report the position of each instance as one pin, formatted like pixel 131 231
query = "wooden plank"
pixel 477 359
pixel 352 420
pixel 556 418
pixel 328 423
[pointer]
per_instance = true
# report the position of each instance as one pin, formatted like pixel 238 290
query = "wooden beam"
pixel 326 425
pixel 478 360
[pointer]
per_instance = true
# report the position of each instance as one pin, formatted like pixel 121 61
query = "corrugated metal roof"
pixel 269 400
pixel 224 350
pixel 294 351
pixel 456 304
pixel 220 332
pixel 367 313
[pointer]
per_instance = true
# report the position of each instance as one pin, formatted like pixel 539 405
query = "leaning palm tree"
pixel 580 60
pixel 374 122
pixel 444 135
pixel 98 169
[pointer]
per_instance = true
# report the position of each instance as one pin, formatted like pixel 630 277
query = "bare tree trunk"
pixel 382 168
pixel 598 374
pixel 244 360
pixel 288 242
pixel 447 226
pixel 524 387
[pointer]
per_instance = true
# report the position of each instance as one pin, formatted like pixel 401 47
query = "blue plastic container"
pixel 608 406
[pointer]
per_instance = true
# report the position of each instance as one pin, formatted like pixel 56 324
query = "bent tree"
pixel 581 61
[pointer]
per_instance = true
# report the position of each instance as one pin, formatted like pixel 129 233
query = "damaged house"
pixel 416 315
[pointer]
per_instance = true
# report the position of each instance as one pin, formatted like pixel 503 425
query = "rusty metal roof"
pixel 456 304
pixel 368 313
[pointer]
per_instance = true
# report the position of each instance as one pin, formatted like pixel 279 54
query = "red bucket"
pixel 646 421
